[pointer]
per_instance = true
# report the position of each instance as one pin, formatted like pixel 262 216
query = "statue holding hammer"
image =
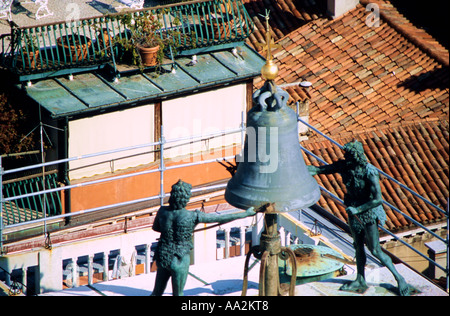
pixel 364 207
pixel 176 225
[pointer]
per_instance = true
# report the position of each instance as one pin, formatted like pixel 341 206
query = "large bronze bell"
pixel 271 168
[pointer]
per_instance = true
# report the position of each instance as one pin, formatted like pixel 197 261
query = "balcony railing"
pixel 69 47
pixel 445 214
pixel 161 146
pixel 30 208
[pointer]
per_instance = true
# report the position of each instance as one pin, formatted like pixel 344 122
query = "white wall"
pixel 109 131
pixel 202 114
pixel 336 8
pixel 49 262
pixel 198 114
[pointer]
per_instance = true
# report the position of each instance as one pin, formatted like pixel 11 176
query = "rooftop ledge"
pixel 83 93
pixel 224 278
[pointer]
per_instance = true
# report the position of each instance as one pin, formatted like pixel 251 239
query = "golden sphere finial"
pixel 270 70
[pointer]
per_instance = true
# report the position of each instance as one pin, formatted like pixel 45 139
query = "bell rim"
pixel 260 198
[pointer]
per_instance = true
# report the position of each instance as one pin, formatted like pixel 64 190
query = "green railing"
pixel 30 207
pixel 68 47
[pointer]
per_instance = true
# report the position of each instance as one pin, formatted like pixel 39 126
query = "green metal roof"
pixel 88 92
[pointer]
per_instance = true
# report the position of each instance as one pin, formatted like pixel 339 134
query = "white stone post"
pixel 90 269
pixel 242 236
pixel 105 266
pixel 74 272
pixel 147 264
pixel 227 243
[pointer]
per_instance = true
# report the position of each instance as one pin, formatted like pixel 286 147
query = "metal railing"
pixel 162 143
pixel 63 47
pixel 379 170
pixel 341 202
pixel 15 287
pixel 44 217
pixel 30 207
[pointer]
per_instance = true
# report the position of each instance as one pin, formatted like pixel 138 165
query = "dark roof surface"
pixel 285 16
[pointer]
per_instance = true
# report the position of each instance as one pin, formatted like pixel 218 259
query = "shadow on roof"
pixel 434 79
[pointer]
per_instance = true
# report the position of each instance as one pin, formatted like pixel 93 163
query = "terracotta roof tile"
pixel 401 152
pixel 418 36
pixel 383 87
pixel 285 16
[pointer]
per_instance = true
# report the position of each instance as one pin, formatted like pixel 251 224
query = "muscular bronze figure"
pixel 176 225
pixel 364 207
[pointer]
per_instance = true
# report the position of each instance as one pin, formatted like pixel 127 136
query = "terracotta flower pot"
pixel 74 47
pixel 224 26
pixel 104 39
pixel 149 55
pixel 30 59
pixel 221 30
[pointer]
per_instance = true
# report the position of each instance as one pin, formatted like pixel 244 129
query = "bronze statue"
pixel 176 225
pixel 364 207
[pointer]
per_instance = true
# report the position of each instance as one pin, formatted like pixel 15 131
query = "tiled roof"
pixel 416 35
pixel 362 77
pixel 386 86
pixel 416 155
pixel 285 17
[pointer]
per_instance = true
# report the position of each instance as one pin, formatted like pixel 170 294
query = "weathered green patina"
pixel 89 92
pixel 176 225
pixel 364 206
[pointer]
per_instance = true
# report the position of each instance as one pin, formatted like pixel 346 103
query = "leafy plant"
pixel 146 30
pixel 12 120
pixel 29 43
pixel 141 30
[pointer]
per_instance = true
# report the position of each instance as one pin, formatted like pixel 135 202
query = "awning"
pixel 87 92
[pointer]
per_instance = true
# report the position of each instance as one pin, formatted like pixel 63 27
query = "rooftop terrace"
pixel 42 50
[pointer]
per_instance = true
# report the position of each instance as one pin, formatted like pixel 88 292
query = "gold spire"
pixel 270 70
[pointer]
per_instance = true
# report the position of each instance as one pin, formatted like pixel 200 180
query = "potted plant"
pixel 30 51
pixel 220 23
pixel 73 48
pixel 144 29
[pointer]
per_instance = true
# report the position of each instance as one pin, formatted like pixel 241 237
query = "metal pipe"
pixel 197 163
pixel 337 199
pixel 109 179
pixel 112 151
pixel 72 186
pixel 380 171
pixel 115 177
pixel 213 187
pixel 87 211
pixel 413 249
pixel 44 209
pixel 80 157
pixel 448 206
pixel 384 202
pixel 161 166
